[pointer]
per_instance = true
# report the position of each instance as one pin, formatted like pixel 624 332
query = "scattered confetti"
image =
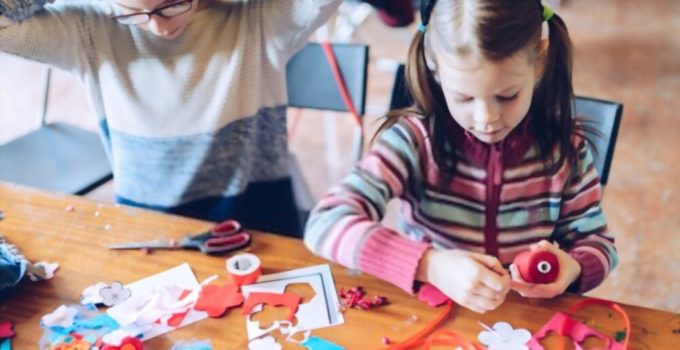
pixel 97 214
pixel 69 209
pixel 386 341
pixel 107 227
pixel 355 298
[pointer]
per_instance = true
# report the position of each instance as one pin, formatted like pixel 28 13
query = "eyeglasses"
pixel 167 11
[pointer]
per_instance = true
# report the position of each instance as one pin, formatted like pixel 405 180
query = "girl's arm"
pixel 582 228
pixel 57 34
pixel 345 226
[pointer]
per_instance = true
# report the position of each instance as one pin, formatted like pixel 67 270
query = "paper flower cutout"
pixel 216 299
pixel 6 330
pixel 114 294
pixel 505 337
pixel 63 317
pixel 266 343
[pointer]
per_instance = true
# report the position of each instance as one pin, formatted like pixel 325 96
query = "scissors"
pixel 224 237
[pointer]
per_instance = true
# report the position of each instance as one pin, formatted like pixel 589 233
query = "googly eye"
pixel 544 267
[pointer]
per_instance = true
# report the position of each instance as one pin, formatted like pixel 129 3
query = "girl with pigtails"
pixel 487 163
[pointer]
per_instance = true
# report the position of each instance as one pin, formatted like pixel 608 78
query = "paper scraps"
pixel 503 337
pixel 355 298
pixel 316 343
pixel 63 317
pixel 265 343
pixel 129 343
pixel 289 300
pixel 192 345
pixel 114 294
pixel 158 297
pixel 6 330
pixel 41 271
pixel 216 299
pixel 91 294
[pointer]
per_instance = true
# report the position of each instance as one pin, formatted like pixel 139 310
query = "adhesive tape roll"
pixel 244 269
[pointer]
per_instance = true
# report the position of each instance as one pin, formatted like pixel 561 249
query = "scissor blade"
pixel 160 243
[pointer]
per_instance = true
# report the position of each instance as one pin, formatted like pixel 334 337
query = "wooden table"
pixel 39 224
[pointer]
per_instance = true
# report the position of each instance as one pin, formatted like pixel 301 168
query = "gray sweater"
pixel 194 125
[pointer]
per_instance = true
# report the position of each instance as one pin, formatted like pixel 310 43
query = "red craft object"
pixel 539 267
pixel 129 343
pixel 6 330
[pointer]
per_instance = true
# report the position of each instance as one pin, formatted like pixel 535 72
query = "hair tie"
pixel 422 27
pixel 547 13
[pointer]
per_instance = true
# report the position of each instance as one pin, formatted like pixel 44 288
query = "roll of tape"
pixel 244 269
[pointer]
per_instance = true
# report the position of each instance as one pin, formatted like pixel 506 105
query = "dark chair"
pixel 56 157
pixel 311 85
pixel 601 119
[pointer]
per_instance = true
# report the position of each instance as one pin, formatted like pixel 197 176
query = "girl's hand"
pixel 476 281
pixel 570 270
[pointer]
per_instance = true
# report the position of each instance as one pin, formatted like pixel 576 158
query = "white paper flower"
pixel 266 343
pixel 505 337
pixel 114 294
pixel 61 317
pixel 91 294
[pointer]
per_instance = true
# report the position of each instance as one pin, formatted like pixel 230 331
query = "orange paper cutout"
pixel 289 300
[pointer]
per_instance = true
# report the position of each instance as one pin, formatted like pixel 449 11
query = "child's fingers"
pixel 491 279
pixel 531 290
pixel 490 262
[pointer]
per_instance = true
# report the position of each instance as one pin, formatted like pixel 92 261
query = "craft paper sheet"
pixel 323 310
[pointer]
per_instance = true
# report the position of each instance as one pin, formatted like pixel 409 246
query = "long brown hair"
pixel 494 29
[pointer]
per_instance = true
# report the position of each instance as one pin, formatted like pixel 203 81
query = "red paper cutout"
pixel 432 295
pixel 566 326
pixel 537 266
pixel 216 299
pixel 289 300
pixel 6 330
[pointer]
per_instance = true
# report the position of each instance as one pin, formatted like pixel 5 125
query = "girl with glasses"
pixel 189 95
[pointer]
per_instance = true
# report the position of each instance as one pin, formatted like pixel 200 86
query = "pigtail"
pixel 552 106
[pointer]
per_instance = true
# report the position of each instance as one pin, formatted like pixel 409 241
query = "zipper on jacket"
pixel 494 179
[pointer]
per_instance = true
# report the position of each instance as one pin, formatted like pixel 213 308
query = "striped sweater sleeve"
pixel 582 228
pixel 57 34
pixel 345 225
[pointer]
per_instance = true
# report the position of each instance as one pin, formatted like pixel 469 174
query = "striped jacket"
pixel 501 199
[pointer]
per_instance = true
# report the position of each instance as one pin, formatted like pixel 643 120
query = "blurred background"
pixel 625 50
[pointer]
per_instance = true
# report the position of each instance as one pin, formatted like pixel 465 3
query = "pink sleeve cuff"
pixel 392 257
pixel 592 271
